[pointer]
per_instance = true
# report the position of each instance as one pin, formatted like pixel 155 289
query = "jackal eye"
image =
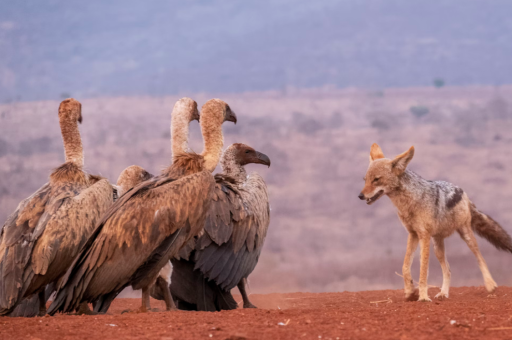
pixel 376 179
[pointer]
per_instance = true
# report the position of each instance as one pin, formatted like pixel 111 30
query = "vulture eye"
pixel 247 151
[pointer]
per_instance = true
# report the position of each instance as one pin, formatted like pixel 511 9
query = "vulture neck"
pixel 73 149
pixel 233 169
pixel 179 132
pixel 213 142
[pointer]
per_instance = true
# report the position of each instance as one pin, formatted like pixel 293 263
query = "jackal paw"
pixel 412 296
pixel 441 295
pixel 424 299
pixel 490 285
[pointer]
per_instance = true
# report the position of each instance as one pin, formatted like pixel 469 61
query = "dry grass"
pixel 321 238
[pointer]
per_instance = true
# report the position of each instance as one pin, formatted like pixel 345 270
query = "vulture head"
pixel 243 154
pixel 188 106
pixel 130 177
pixel 219 111
pixel 70 110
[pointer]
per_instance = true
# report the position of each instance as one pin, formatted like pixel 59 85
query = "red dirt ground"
pixel 469 313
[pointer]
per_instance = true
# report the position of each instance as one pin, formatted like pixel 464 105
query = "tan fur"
pixel 70 114
pixel 429 210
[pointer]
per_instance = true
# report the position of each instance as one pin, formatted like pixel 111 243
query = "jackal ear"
pixel 399 164
pixel 375 152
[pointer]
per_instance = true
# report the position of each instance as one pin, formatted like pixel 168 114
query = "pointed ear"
pixel 375 152
pixel 399 164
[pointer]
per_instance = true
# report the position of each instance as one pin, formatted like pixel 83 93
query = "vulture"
pixel 227 251
pixel 147 225
pixel 40 239
pixel 129 178
pixel 134 175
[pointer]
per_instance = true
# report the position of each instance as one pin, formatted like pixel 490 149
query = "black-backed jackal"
pixel 430 210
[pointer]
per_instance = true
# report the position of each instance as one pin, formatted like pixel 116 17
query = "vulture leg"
pixel 241 287
pixel 146 304
pixel 166 290
pixel 42 303
pixel 85 310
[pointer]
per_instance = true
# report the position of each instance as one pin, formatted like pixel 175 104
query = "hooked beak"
pixel 230 116
pixel 262 159
pixel 195 116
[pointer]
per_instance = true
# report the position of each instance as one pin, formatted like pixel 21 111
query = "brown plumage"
pixel 42 236
pixel 147 225
pixel 228 249
pixel 184 112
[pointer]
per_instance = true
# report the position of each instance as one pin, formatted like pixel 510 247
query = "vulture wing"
pixel 44 234
pixel 235 230
pixel 68 229
pixel 136 237
pixel 16 243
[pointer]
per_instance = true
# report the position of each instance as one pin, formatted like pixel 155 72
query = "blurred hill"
pixel 321 237
pixel 56 48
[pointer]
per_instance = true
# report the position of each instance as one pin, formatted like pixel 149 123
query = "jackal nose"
pixel 361 196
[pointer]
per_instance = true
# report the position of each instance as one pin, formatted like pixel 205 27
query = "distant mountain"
pixel 55 48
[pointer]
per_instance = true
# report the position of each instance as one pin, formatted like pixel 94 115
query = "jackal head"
pixel 383 174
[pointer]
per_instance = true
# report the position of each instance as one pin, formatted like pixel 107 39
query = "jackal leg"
pixel 412 244
pixel 445 267
pixel 468 236
pixel 424 254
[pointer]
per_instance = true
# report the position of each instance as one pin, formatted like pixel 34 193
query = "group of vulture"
pixel 184 236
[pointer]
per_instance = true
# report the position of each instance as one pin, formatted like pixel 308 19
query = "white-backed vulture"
pixel 129 178
pixel 228 249
pixel 43 235
pixel 147 225
pixel 184 112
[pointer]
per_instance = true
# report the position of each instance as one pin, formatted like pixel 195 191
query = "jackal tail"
pixel 489 229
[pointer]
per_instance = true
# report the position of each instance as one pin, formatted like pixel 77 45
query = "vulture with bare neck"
pixel 228 250
pixel 147 225
pixel 184 112
pixel 43 235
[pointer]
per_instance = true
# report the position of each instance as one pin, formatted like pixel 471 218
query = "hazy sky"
pixel 56 48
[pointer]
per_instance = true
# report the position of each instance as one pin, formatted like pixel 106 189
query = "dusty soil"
pixel 469 313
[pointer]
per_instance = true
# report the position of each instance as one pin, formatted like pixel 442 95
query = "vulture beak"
pixel 195 116
pixel 262 159
pixel 230 116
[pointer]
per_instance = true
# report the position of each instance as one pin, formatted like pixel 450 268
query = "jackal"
pixel 430 210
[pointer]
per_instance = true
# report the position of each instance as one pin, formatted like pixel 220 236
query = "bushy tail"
pixel 489 229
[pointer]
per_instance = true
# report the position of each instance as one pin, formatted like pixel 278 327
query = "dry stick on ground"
pixel 429 286
pixel 498 328
pixel 382 301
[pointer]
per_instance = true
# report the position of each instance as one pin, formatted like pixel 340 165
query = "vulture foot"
pixel 85 310
pixel 249 305
pixel 141 310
